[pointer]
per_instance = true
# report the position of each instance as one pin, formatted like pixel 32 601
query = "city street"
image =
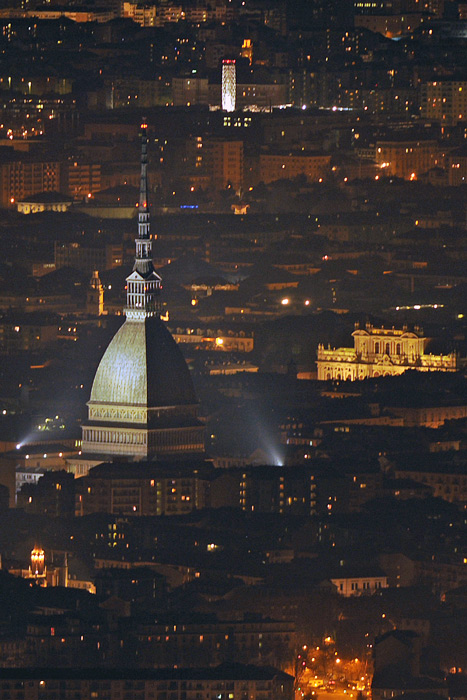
pixel 337 694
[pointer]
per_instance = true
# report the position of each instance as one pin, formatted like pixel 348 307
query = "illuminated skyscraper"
pixel 229 85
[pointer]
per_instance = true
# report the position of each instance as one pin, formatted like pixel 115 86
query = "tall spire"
pixel 143 210
pixel 144 284
pixel 143 260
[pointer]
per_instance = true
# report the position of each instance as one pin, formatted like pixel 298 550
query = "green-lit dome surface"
pixel 143 366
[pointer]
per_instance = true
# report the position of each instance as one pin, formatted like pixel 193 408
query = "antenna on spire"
pixel 144 284
pixel 143 227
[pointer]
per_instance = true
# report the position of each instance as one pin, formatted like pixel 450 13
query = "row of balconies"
pixel 350 355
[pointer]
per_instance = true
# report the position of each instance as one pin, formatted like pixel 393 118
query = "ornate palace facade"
pixel 379 352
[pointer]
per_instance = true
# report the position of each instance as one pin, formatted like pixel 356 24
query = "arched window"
pixel 388 349
pixel 398 349
pixel 377 348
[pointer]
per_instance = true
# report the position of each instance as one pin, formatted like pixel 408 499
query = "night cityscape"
pixel 233 350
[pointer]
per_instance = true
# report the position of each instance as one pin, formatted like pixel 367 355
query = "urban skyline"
pixel 205 491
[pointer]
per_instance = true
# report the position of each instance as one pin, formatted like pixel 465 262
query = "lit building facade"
pixel 49 201
pixel 143 15
pixel 457 168
pixel 448 482
pixel 407 159
pixel 21 179
pixel 229 85
pixel 256 683
pixel 223 160
pixel 349 586
pixel 444 101
pixel 80 179
pixel 221 340
pixel 248 641
pixel 379 352
pixel 146 490
pixel 27 332
pixel 188 91
pixel 275 166
pixel 254 96
pixel 87 258
pixel 390 25
pixel 262 96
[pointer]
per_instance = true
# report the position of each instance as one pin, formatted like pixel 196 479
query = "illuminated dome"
pixel 142 403
pixel 143 366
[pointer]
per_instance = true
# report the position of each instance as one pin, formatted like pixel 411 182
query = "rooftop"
pixel 222 672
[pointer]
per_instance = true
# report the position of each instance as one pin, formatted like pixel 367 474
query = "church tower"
pixel 95 296
pixel 143 404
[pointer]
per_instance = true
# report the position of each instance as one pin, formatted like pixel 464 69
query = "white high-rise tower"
pixel 229 85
